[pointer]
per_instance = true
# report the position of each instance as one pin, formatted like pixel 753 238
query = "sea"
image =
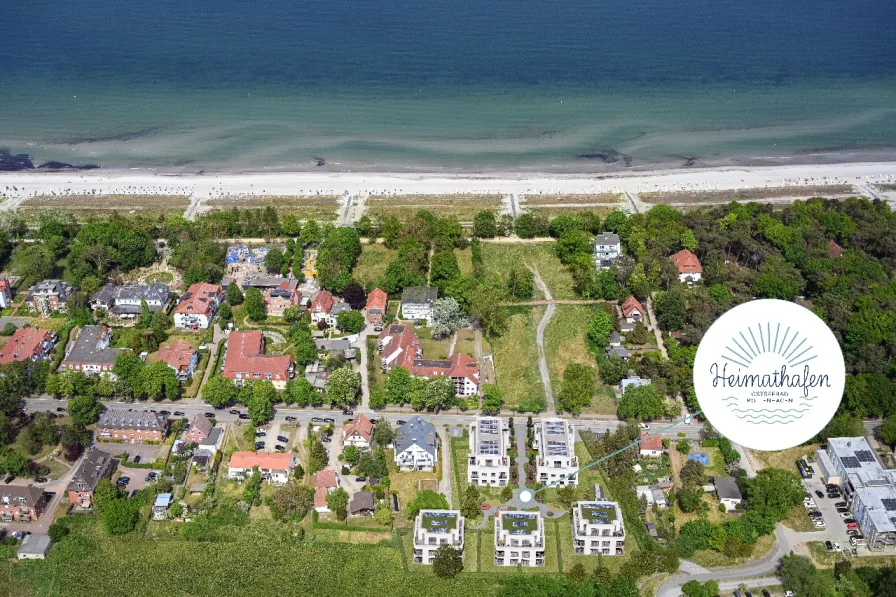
pixel 447 85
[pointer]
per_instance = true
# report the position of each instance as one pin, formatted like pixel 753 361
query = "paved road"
pixel 539 341
pixel 59 486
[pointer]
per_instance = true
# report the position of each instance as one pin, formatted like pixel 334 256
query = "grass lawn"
pixel 572 210
pixel 320 207
pixel 466 342
pixel 464 261
pixel 753 194
pixel 463 206
pixel 159 278
pixel 570 199
pixel 372 263
pixel 653 469
pixel 716 462
pixel 798 520
pixel 83 207
pixel 709 558
pixel 784 459
pixel 516 361
pixel 433 349
pixel 500 258
pixel 193 389
pixel 551 553
pixel 406 484
pixel 460 450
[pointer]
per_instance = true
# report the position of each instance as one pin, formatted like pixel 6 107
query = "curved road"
pixel 539 339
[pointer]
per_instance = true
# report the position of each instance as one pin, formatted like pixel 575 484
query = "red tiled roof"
pixel 377 299
pixel 403 340
pixel 23 344
pixel 201 298
pixel 177 355
pixel 631 305
pixel 654 442
pixel 361 425
pixel 275 461
pixel 245 354
pixel 686 262
pixel 463 365
pixel 324 479
pixel 4 283
pixel 320 497
pixel 834 249
pixel 323 302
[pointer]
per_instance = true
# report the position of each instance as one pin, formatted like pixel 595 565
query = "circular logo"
pixel 769 374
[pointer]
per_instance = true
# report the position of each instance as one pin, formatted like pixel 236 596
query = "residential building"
pixel 5 292
pixel 616 339
pixel 416 445
pixel 633 381
pixel 49 296
pixel 488 463
pixel 161 505
pixel 689 268
pixel 435 528
pixel 180 356
pixel 377 308
pixel 322 307
pixel 275 467
pixel 131 426
pixel 400 347
pixel 35 547
pixel 619 351
pixel 728 492
pixel 21 504
pixel 198 305
pixel 632 310
pixel 279 298
pixel 557 463
pixel 651 446
pixel 265 282
pixel 362 504
pixel 212 442
pixel 323 483
pixel 91 352
pixel 358 432
pixel 417 303
pixel 199 429
pixel 519 539
pixel 245 361
pixel 607 250
pixel 95 465
pixel 28 343
pixel 652 495
pixel 126 302
pixel 867 486
pixel 597 528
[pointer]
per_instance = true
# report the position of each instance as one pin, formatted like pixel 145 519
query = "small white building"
pixel 416 445
pixel 557 462
pixel 417 303
pixel 435 528
pixel 275 467
pixel 634 381
pixel 607 250
pixel 488 461
pixel 653 495
pixel 198 306
pixel 597 528
pixel 35 547
pixel 519 539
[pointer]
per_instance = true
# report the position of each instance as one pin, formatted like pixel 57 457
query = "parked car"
pixel 243 416
pixel 280 448
pixel 837 547
pixel 789 593
pixel 852 533
pixel 218 407
pixel 259 445
pixel 178 413
pixel 329 420
pixel 852 525
pixel 765 593
pixel 832 487
pixel 835 496
pixel 282 438
pixel 41 479
pixel 643 426
pixel 361 479
pixel 123 481
pixel 842 510
pixel 149 478
pixel 850 521
pixel 261 433
pixel 165 412
pixel 316 420
pixel 325 439
pixel 137 459
pixel 820 524
pixel 819 494
pixel 291 418
pixel 209 415
pixel 9 479
pixel 60 409
pixel 348 412
pixel 845 515
pixel 399 422
pixel 829 546
pixel 840 505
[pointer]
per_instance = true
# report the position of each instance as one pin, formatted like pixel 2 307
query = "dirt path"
pixel 453 344
pixel 539 339
pixel 656 328
pixel 550 301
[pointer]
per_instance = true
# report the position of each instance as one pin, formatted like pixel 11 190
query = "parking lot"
pixel 137 477
pixel 835 530
pixel 146 452
pixel 273 431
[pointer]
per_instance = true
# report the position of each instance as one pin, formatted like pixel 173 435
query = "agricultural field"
pixel 372 263
pixel 516 361
pixel 84 207
pixel 462 206
pixel 571 199
pixel 89 562
pixel 754 194
pixel 564 344
pixel 500 258
pixel 318 207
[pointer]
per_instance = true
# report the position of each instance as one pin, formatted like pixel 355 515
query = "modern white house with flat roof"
pixel 868 487
pixel 557 462
pixel 435 528
pixel 488 461
pixel 597 528
pixel 519 539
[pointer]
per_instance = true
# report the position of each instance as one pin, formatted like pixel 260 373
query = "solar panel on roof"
pixel 557 448
pixel 488 446
pixel 524 525
pixel 889 504
pixel 555 428
pixel 864 456
pixel 488 426
pixel 850 462
pixel 519 532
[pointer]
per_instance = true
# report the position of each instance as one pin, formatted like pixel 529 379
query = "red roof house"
pixel 28 343
pixel 245 360
pixel 180 356
pixel 632 310
pixel 651 445
pixel 321 306
pixel 358 432
pixel 377 305
pixel 198 305
pixel 689 268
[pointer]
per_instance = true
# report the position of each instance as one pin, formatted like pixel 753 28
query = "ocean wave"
pixel 771 412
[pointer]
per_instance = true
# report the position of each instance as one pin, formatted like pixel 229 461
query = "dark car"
pixel 234 411
pixel 329 420
pixel 853 533
pixel 765 593
pixel 325 439
pixel 840 505
pixel 316 420
pixel 60 409
pixel 280 448
pixel 50 495
pixel 819 494
pixel 164 412
pixel 348 413
pixel 243 416
pixel 261 433
pixel 816 514
pixel 9 479
pixel 749 594
pixel 399 422
pixel 218 407
pixel 361 479
pixel 41 479
pixel 178 413
pixel 849 521
pixel 829 546
pixel 209 415
pixel 123 481
pixel 282 438
pixel 291 418
pixel 831 487
pixel 137 459
pixel 842 510
pixel 259 445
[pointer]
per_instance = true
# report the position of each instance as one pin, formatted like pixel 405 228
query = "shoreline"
pixel 18 186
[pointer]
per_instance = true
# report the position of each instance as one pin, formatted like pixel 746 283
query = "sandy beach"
pixel 17 187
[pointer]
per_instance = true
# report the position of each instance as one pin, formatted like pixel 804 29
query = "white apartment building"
pixel 435 528
pixel 519 539
pixel 555 442
pixel 416 445
pixel 607 250
pixel 597 528
pixel 489 463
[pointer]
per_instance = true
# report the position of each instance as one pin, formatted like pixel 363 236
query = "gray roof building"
pixel 268 282
pixel 416 432
pixel 213 437
pixel 96 465
pixel 126 300
pixel 133 419
pixel 54 288
pixel 35 547
pixel 419 295
pixel 362 502
pixel 606 238
pixel 92 347
pixel 727 489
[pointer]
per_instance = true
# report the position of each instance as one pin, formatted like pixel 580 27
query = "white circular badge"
pixel 769 374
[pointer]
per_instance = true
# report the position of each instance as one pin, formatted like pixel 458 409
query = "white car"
pixel 820 524
pixel 845 515
pixel 837 547
pixel 789 594
pixel 810 504
pixel 643 426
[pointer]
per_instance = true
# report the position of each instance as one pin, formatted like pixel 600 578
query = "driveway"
pixel 136 475
pixel 146 452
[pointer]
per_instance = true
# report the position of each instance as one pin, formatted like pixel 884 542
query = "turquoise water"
pixel 463 84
